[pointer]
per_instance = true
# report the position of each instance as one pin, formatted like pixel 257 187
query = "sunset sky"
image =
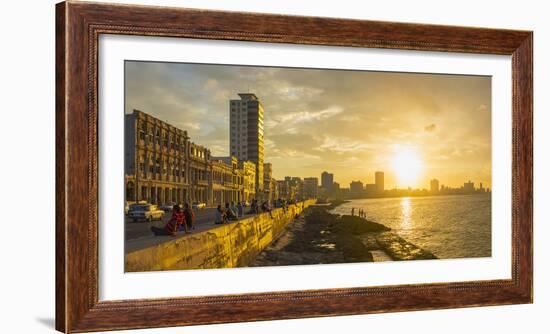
pixel 414 127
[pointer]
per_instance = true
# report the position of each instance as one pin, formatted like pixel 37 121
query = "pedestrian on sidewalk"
pixel 352 212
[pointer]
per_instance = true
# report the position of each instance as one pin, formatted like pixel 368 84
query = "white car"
pixel 167 206
pixel 147 212
pixel 198 205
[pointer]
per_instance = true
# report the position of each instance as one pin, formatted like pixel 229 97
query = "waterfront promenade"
pixel 234 244
pixel 138 234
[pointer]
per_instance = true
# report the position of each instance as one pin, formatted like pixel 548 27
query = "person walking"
pixel 352 212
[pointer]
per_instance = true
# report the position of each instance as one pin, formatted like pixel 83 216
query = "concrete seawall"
pixel 225 246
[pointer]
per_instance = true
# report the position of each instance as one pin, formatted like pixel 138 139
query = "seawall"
pixel 225 246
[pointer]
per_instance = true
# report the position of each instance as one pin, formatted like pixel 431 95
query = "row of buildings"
pixel 162 164
pixel 330 189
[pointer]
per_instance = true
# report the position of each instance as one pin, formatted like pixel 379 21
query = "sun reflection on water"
pixel 406 212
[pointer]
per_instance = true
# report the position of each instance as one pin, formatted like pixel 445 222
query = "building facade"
pixel 227 181
pixel 356 189
pixel 155 160
pixel 327 180
pixel 269 186
pixel 248 169
pixel 434 186
pixel 246 133
pixel 469 186
pixel 311 187
pixel 200 177
pixel 379 181
pixel 161 165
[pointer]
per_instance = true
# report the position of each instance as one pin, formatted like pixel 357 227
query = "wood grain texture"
pixel 78 28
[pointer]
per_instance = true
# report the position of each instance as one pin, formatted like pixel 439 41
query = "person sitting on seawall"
pixel 240 209
pixel 189 216
pixel 173 224
pixel 253 207
pixel 266 208
pixel 234 209
pixel 229 213
pixel 221 217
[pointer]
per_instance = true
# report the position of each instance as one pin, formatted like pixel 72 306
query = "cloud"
pixel 341 145
pixel 188 125
pixel 317 120
pixel 309 116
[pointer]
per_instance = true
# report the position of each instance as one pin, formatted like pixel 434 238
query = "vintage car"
pixel 147 212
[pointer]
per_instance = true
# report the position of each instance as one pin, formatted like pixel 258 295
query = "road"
pixel 204 219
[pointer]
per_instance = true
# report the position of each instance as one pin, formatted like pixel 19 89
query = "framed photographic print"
pixel 222 166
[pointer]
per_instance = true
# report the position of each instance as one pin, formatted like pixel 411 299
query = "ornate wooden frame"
pixel 78 25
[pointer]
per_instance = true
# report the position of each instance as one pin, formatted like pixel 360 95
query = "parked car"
pixel 198 205
pixel 167 206
pixel 147 212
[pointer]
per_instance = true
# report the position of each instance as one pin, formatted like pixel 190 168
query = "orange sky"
pixel 414 127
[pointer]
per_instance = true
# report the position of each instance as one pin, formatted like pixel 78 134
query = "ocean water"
pixel 448 226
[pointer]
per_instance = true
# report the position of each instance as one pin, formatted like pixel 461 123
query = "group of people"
pixel 184 219
pixel 181 220
pixel 230 212
pixel 360 213
pixel 281 203
pixel 233 211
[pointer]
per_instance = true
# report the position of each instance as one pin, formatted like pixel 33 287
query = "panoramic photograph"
pixel 230 166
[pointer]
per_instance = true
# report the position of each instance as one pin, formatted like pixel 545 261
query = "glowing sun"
pixel 407 166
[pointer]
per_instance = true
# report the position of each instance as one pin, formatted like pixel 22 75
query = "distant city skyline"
pixel 413 127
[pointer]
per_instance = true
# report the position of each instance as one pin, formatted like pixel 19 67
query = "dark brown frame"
pixel 78 25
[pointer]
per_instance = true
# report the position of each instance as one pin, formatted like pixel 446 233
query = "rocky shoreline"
pixel 319 237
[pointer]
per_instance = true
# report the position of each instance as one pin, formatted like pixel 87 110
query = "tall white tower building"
pixel 246 132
